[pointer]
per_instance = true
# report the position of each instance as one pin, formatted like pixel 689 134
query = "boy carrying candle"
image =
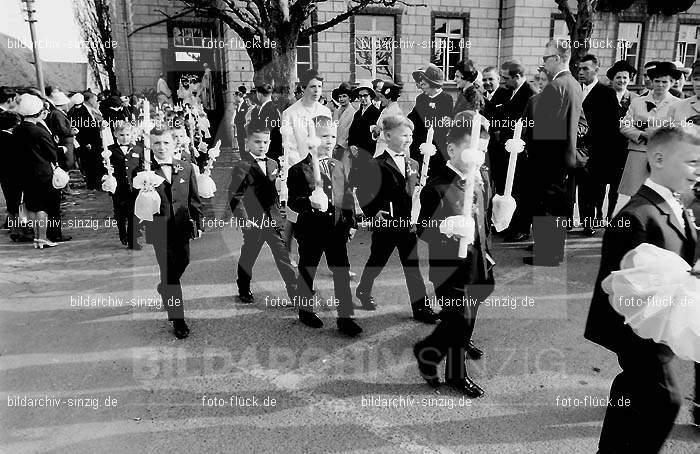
pixel 385 188
pixel 178 221
pixel 654 215
pixel 254 199
pixel 320 194
pixel 125 159
pixel 461 284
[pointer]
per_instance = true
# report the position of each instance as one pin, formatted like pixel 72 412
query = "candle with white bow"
pixel 473 160
pixel 427 150
pixel 504 205
pixel 148 200
pixel 205 184
pixel 314 142
pixel 109 183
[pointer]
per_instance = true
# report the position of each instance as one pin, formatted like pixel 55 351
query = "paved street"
pixel 252 379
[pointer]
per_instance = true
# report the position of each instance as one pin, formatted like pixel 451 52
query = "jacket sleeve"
pixel 428 228
pixel 572 106
pixel 195 203
pixel 627 127
pixel 298 188
pixel 236 190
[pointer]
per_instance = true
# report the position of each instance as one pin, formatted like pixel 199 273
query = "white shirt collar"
pixel 667 195
pixel 516 89
pixel 591 85
pixel 455 170
pixel 439 90
pixel 394 153
pixel 562 71
pixel 261 105
pixel 163 162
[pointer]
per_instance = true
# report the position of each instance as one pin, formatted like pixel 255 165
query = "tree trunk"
pixel 581 34
pixel 283 68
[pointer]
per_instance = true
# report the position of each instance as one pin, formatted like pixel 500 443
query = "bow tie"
pixel 164 164
pixel 397 155
pixel 650 106
pixel 261 159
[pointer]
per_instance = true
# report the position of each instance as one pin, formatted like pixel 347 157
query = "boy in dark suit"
pixel 125 159
pixel 178 221
pixel 254 202
pixel 653 215
pixel 385 189
pixel 461 284
pixel 323 229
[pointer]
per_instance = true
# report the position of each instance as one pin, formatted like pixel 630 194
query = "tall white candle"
pixel 146 134
pixel 467 205
pixel 512 160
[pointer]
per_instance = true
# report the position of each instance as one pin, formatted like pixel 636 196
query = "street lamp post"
pixel 29 9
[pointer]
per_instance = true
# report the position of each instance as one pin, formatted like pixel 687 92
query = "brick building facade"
pixel 358 48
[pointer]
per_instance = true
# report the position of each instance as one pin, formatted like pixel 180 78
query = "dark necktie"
pixel 165 164
pixel 324 166
pixel 650 106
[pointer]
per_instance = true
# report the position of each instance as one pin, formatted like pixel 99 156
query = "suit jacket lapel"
pixel 664 207
pixel 390 161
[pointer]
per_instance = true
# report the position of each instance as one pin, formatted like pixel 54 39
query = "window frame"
pixel 696 24
pixel 619 50
pixel 396 14
pixel 464 53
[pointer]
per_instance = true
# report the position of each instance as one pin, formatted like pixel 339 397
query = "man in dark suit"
pixel 494 112
pixel 513 77
pixel 125 159
pixel 385 189
pixel 266 113
pixel 654 216
pixel 600 109
pixel 178 221
pixel 461 284
pixel 321 199
pixel 360 139
pixel 553 155
pixel 90 141
pixel 242 106
pixel 253 199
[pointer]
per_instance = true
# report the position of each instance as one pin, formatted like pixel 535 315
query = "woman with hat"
pixel 38 154
pixel 645 115
pixel 620 74
pixel 388 97
pixel 342 116
pixel 360 138
pixel 433 107
pixel 469 97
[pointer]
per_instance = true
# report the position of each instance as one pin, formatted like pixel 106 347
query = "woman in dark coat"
pixel 38 153
pixel 9 177
pixel 468 97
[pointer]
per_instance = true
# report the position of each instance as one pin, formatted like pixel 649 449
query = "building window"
pixel 304 54
pixel 193 37
pixel 629 39
pixel 448 44
pixel 560 32
pixel 373 47
pixel 687 45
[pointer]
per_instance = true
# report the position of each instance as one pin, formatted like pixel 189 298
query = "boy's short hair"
pixel 256 126
pixel 394 121
pixel 161 131
pixel 461 127
pixel 667 134
pixel 323 121
pixel 122 126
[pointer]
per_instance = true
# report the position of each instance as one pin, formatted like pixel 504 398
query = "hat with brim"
pixel 29 105
pixel 364 86
pixel 343 89
pixel 77 98
pixel 664 68
pixel 679 66
pixel 621 66
pixel 431 74
pixel 390 90
pixel 58 98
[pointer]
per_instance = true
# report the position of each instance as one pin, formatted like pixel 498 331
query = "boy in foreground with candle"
pixel 461 284
pixel 178 221
pixel 323 226
pixel 125 159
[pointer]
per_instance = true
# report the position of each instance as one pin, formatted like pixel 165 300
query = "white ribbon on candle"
pixel 474 157
pixel 503 206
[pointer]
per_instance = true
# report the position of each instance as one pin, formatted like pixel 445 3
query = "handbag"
pixel 60 177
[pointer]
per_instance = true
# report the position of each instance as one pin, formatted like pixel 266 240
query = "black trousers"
pixel 173 256
pixel 522 218
pixel 253 240
pixel 453 333
pixel 591 194
pixel 644 400
pixel 317 234
pixel 550 212
pixel 383 244
pixel 124 215
pixel 91 166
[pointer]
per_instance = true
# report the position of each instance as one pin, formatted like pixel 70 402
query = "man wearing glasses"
pixel 553 154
